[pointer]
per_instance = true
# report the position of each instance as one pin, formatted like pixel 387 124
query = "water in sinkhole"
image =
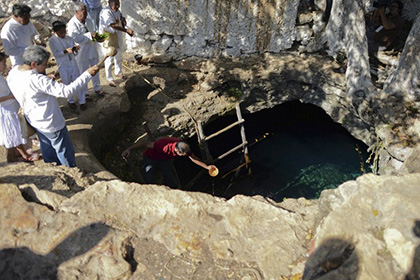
pixel 296 150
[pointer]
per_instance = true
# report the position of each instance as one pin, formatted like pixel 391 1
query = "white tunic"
pixel 108 17
pixel 10 135
pixel 36 93
pixel 92 4
pixel 16 37
pixel 80 35
pixel 57 46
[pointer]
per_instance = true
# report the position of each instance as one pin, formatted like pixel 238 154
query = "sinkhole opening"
pixel 296 150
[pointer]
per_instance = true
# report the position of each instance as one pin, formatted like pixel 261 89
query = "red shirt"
pixel 163 149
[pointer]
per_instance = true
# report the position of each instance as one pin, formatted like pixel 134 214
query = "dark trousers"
pixel 164 166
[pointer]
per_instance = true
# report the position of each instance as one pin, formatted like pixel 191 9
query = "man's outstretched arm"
pixel 198 161
pixel 137 145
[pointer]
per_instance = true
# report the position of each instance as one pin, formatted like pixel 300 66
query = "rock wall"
pixel 204 28
pixel 210 28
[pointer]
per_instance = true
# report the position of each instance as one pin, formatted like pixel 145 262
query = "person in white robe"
pixel 112 22
pixel 39 92
pixel 10 134
pixel 93 8
pixel 18 33
pixel 88 54
pixel 64 50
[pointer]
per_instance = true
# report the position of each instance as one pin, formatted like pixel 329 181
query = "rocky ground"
pixel 62 223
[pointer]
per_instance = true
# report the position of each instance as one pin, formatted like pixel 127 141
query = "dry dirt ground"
pixel 72 115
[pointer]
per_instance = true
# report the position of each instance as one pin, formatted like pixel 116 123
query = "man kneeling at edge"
pixel 159 154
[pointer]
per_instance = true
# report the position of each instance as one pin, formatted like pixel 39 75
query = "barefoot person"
pixel 65 50
pixel 159 154
pixel 39 93
pixel 114 24
pixel 88 54
pixel 10 135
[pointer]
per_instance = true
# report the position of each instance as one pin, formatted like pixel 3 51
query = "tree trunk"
pixel 332 34
pixel 358 79
pixel 405 80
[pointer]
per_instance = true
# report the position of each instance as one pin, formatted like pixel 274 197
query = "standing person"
pixel 94 8
pixel 159 154
pixel 88 54
pixel 112 22
pixel 388 26
pixel 18 33
pixel 64 50
pixel 10 135
pixel 39 93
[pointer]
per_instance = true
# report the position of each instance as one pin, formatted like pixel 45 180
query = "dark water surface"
pixel 296 150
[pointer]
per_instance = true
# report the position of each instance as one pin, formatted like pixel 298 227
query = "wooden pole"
pixel 149 133
pixel 243 136
pixel 241 122
pixel 204 147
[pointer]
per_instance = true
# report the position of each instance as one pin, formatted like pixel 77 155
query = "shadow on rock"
pixel 22 263
pixel 47 182
pixel 414 273
pixel 334 259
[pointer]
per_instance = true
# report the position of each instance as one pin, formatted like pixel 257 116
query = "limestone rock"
pixel 377 223
pixel 170 217
pixel 108 228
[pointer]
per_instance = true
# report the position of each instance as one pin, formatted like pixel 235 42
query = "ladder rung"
pixel 223 130
pixel 232 150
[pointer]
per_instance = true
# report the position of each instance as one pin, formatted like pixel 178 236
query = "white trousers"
pixel 117 59
pixel 68 75
pixel 84 65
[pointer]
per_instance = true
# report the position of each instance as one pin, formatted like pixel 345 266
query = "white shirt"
pixel 16 37
pixel 80 35
pixel 36 94
pixel 57 46
pixel 5 91
pixel 108 17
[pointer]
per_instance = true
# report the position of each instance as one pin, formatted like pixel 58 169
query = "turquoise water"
pixel 296 150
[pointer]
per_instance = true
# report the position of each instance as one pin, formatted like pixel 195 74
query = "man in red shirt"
pixel 159 154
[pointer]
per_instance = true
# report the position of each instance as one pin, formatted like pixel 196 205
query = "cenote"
pixel 296 150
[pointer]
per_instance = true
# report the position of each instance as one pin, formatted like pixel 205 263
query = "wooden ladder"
pixel 205 152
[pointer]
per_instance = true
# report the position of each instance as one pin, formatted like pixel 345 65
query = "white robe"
pixel 15 38
pixel 37 94
pixel 88 54
pixel 66 63
pixel 108 17
pixel 10 135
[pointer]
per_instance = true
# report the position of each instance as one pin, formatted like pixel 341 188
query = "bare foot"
pixel 112 84
pixel 122 76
